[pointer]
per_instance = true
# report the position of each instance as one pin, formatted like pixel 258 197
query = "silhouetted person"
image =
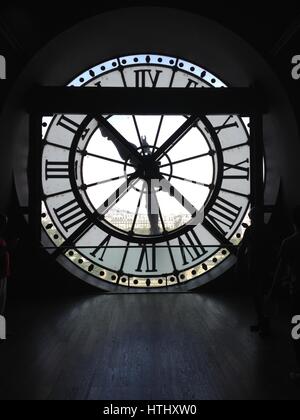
pixel 256 249
pixel 4 264
pixel 127 157
pixel 289 266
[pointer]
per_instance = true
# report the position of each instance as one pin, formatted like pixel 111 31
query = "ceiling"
pixel 24 28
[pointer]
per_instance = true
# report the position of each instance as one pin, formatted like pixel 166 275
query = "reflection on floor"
pixel 176 346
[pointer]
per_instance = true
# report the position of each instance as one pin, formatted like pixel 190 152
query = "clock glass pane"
pixel 145 201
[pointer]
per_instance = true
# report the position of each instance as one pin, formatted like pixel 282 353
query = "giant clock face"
pixel 145 201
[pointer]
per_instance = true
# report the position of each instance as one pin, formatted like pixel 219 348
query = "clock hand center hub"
pixel 149 169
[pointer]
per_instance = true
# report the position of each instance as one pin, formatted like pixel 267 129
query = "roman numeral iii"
pixel 56 170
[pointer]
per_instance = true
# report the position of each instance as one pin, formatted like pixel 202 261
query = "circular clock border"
pixel 138 238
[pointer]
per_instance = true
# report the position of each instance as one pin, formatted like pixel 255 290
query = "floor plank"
pixel 142 347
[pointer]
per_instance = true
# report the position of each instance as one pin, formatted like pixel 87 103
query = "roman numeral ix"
pixel 70 215
pixel 223 215
pixel 240 171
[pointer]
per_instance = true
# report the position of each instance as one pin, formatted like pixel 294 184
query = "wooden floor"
pixel 135 347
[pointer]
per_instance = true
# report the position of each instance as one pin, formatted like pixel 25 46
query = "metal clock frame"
pixel 244 102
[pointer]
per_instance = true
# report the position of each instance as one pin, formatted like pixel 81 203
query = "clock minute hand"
pixel 175 137
pixel 126 150
pixel 173 192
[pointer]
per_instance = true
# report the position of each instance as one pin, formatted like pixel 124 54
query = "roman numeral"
pixel 244 172
pixel 57 170
pixel 191 247
pixel 192 83
pixel 68 124
pixel 71 125
pixel 70 215
pixel 144 76
pixel 147 259
pixel 102 247
pixel 223 215
pixel 227 124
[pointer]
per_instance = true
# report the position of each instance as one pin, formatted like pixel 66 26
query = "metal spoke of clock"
pixel 138 208
pixel 59 146
pixel 118 194
pixel 47 196
pixel 106 158
pixel 87 224
pixel 187 159
pixel 105 181
pixel 218 235
pixel 85 186
pixel 75 236
pixel 189 180
pixel 164 227
pixel 235 146
pixel 176 137
pixel 158 133
pixel 122 73
pixel 138 133
pixel 85 153
pixel 162 116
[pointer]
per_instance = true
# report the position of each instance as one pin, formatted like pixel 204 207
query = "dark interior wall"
pixel 24 29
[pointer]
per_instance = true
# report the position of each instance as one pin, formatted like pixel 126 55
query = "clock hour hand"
pixel 175 137
pixel 127 151
pixel 152 209
pixel 173 192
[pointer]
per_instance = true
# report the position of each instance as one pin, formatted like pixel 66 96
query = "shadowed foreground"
pixel 131 347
